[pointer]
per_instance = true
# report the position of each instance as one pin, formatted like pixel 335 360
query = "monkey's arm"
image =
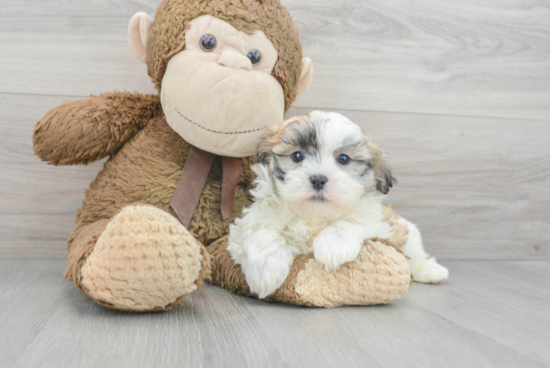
pixel 83 131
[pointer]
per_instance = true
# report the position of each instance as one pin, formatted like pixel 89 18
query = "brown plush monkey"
pixel 224 71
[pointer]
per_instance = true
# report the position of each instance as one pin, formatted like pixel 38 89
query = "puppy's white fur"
pixel 289 217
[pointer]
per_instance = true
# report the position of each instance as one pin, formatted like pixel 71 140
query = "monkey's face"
pixel 218 93
pixel 218 89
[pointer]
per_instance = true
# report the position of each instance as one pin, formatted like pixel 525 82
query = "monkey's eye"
pixel 255 56
pixel 208 42
pixel 343 159
pixel 297 156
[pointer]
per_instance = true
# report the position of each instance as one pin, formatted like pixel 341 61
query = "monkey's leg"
pixel 379 275
pixel 143 259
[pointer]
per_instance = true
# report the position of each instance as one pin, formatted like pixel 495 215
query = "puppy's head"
pixel 322 162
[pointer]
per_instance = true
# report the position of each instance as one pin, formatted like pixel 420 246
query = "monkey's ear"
pixel 138 30
pixel 305 77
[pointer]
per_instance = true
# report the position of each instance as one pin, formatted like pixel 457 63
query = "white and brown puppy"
pixel 319 187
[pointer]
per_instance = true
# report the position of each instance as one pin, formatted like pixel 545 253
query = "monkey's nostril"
pixel 318 181
pixel 234 60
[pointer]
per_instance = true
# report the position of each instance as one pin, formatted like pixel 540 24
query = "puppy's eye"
pixel 297 156
pixel 208 42
pixel 255 56
pixel 343 159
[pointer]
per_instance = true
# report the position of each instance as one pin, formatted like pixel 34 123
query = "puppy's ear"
pixel 382 170
pixel 265 147
pixel 272 136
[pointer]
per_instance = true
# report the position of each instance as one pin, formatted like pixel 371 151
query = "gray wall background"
pixel 456 92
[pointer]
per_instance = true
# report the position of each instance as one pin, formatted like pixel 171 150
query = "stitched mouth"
pixel 217 131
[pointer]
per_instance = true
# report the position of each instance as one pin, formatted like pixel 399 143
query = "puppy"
pixel 319 187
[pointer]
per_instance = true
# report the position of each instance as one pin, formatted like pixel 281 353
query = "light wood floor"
pixel 490 314
pixel 456 92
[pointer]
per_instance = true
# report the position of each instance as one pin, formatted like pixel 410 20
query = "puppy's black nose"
pixel 318 181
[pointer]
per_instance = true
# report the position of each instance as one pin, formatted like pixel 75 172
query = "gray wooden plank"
pixel 434 325
pixel 70 47
pixel 479 188
pixel 507 302
pixel 38 202
pixel 478 58
pixel 475 319
pixel 30 293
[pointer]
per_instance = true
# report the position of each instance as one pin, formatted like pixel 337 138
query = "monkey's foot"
pixel 378 275
pixel 145 260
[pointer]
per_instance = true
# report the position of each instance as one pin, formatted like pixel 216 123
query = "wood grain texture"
pixel 479 58
pixel 38 202
pixel 70 47
pixel 488 314
pixel 475 193
pixel 478 187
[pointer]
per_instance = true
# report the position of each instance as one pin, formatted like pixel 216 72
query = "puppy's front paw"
pixel 431 273
pixel 266 277
pixel 334 247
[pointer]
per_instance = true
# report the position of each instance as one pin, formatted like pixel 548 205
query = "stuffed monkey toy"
pixel 154 223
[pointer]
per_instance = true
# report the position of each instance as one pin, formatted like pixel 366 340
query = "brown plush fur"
pixel 144 170
pixel 147 157
pixel 83 131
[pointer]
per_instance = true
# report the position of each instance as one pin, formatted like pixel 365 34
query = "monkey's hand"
pixel 83 131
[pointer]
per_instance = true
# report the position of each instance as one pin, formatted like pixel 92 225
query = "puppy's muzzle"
pixel 318 181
